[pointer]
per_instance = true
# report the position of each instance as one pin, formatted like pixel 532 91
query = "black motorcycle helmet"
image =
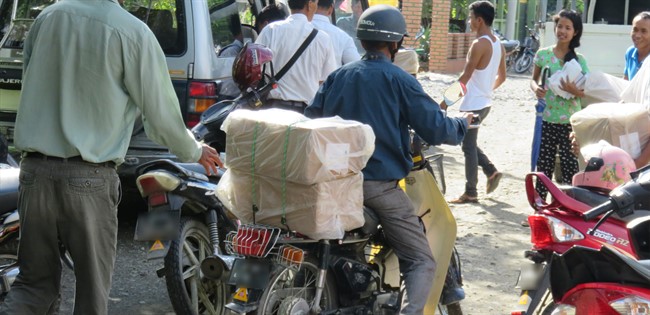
pixel 381 23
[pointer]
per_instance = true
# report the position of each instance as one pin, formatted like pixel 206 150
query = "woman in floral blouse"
pixel 556 126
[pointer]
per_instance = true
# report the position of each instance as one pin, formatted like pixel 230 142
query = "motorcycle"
pixel 606 280
pixel 186 224
pixel 524 61
pixel 512 48
pixel 282 272
pixel 557 226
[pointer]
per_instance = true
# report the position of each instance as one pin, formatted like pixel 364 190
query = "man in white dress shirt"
pixel 299 85
pixel 344 47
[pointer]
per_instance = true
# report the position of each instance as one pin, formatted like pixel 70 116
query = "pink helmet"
pixel 607 167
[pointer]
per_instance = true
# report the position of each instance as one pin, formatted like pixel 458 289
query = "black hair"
pixel 484 10
pixel 234 25
pixel 325 3
pixel 298 4
pixel 576 19
pixel 271 13
pixel 644 15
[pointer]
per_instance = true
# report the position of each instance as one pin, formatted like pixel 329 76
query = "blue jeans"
pixel 76 203
pixel 406 237
pixel 474 157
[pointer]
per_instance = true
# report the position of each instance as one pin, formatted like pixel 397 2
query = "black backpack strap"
pixel 296 55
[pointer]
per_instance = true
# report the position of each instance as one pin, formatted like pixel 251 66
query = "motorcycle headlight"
pixel 631 305
pixel 563 309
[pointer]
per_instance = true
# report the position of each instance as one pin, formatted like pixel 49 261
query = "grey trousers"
pixel 406 237
pixel 76 203
pixel 474 157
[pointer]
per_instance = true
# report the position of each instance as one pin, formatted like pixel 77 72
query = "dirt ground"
pixel 490 238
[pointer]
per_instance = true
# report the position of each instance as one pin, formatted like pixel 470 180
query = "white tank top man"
pixel 485 70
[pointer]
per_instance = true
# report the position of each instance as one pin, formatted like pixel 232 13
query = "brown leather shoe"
pixel 464 199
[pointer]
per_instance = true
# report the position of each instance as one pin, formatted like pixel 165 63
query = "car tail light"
pixel 156 182
pixel 632 305
pixel 201 96
pixel 253 240
pixel 563 309
pixel 540 232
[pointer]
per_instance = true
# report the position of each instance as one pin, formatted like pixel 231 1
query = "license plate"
pixel 157 225
pixel 251 273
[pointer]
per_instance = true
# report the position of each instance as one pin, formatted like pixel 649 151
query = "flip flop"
pixel 464 199
pixel 493 182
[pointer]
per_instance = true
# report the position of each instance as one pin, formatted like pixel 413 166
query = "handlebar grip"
pixel 598 210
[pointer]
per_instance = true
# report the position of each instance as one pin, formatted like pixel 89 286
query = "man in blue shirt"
pixel 380 94
pixel 639 51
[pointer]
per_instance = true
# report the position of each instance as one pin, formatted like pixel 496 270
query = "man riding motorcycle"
pixel 396 102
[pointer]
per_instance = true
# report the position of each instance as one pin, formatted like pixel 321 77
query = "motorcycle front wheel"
pixel 292 291
pixel 524 63
pixel 190 292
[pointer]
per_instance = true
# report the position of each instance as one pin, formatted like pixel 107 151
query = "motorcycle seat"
pixel 585 196
pixel 371 224
pixel 510 44
pixel 8 189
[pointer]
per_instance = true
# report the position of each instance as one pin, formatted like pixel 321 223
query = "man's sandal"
pixel 464 199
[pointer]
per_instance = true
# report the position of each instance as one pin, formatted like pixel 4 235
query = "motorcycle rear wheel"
pixel 524 63
pixel 289 287
pixel 189 292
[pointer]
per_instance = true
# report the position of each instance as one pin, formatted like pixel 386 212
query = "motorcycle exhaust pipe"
pixel 8 276
pixel 215 266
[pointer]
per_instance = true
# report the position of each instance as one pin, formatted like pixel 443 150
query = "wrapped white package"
pixel 285 145
pixel 602 87
pixel 638 91
pixel 571 72
pixel 319 211
pixel 625 125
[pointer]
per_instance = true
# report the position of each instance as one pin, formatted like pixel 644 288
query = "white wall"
pixel 602 45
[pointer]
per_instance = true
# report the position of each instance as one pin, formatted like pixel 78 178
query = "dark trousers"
pixel 405 234
pixel 555 139
pixel 474 157
pixel 76 203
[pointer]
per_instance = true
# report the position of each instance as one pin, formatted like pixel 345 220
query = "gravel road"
pixel 490 239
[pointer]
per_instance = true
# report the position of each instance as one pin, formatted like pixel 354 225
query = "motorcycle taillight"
pixel 156 181
pixel 157 199
pixel 540 232
pixel 252 240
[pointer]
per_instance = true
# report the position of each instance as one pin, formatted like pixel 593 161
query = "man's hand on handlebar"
pixel 468 117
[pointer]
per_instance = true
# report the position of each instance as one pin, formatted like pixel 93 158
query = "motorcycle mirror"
pixel 454 93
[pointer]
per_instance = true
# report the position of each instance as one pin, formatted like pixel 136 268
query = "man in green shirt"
pixel 89 67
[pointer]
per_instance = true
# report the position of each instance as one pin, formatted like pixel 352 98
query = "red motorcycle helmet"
pixel 248 69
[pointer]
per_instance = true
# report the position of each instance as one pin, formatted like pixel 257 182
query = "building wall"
pixel 438 40
pixel 412 11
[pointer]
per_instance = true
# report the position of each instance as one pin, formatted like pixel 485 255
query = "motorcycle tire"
pixel 450 309
pixel 289 278
pixel 189 292
pixel 8 256
pixel 524 63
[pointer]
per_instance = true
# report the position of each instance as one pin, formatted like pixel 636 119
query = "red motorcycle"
pixel 606 280
pixel 559 225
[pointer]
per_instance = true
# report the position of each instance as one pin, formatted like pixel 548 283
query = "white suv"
pixel 190 33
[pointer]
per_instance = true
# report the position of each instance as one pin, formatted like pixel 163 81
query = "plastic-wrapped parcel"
pixel 287 145
pixel 625 125
pixel 320 211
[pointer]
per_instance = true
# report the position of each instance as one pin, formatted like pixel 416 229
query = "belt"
pixel 78 158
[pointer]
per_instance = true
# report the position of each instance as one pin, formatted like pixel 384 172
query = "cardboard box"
pixel 284 144
pixel 319 211
pixel 625 125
